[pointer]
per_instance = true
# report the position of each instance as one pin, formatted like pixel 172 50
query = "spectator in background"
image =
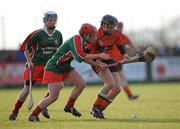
pixel 38 48
pixel 126 41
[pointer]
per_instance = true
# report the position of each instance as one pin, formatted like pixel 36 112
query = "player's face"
pixel 50 23
pixel 108 28
pixel 91 38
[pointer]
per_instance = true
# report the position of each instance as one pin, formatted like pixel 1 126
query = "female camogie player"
pixel 59 69
pixel 108 40
pixel 38 48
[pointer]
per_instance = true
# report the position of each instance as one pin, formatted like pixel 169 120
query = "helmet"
pixel 87 28
pixel 109 19
pixel 49 14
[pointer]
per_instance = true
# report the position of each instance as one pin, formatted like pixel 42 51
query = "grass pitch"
pixel 158 108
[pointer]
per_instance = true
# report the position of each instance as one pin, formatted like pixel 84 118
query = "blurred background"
pixel 147 23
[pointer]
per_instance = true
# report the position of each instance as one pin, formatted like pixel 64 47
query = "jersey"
pixel 69 50
pixel 125 40
pixel 108 43
pixel 41 45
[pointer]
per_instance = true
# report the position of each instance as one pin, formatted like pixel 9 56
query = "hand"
pixel 125 57
pixel 138 53
pixel 30 64
pixel 101 66
pixel 104 56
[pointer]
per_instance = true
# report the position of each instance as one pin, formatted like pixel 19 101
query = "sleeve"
pixel 122 49
pixel 27 43
pixel 94 49
pixel 128 41
pixel 121 43
pixel 61 38
pixel 77 49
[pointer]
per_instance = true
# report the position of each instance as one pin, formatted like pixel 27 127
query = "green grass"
pixel 158 108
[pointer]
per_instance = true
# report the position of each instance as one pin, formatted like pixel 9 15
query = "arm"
pixel 94 56
pixel 80 55
pixel 99 65
pixel 29 61
pixel 27 47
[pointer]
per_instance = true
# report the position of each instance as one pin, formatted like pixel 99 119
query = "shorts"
pixel 120 67
pixel 50 76
pixel 37 73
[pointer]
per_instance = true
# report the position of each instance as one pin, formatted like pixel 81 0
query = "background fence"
pixel 163 68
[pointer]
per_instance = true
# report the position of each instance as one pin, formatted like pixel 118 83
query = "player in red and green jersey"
pixel 38 47
pixel 108 40
pixel 59 69
pixel 124 83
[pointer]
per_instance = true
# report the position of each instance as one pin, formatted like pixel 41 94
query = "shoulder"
pixel 120 35
pixel 117 33
pixel 76 38
pixel 59 32
pixel 34 33
pixel 73 39
pixel 100 32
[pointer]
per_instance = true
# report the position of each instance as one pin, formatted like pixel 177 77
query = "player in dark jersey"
pixel 127 42
pixel 38 48
pixel 59 69
pixel 108 40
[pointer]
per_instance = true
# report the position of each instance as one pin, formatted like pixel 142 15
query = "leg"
pixel 54 89
pixel 107 78
pixel 98 105
pixel 45 111
pixel 20 100
pixel 125 87
pixel 115 90
pixel 79 83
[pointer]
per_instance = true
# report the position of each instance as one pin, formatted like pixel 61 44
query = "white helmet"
pixel 50 15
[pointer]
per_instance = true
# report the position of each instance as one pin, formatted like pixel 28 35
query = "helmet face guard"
pixel 50 20
pixel 109 23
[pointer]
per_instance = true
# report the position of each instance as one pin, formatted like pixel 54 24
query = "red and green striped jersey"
pixel 41 45
pixel 69 50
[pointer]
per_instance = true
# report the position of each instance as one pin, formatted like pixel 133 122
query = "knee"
pixel 110 84
pixel 26 91
pixel 82 85
pixel 117 90
pixel 53 98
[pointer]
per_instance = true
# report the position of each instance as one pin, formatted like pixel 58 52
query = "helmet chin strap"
pixel 51 27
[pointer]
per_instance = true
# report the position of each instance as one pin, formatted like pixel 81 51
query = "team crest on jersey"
pixel 56 42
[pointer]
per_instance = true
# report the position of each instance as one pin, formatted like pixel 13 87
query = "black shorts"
pixel 112 69
pixel 120 67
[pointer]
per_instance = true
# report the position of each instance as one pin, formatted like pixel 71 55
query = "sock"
pixel 105 104
pixel 99 101
pixel 47 94
pixel 70 102
pixel 127 91
pixel 17 106
pixel 36 111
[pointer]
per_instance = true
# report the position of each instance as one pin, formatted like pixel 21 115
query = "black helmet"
pixel 109 19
